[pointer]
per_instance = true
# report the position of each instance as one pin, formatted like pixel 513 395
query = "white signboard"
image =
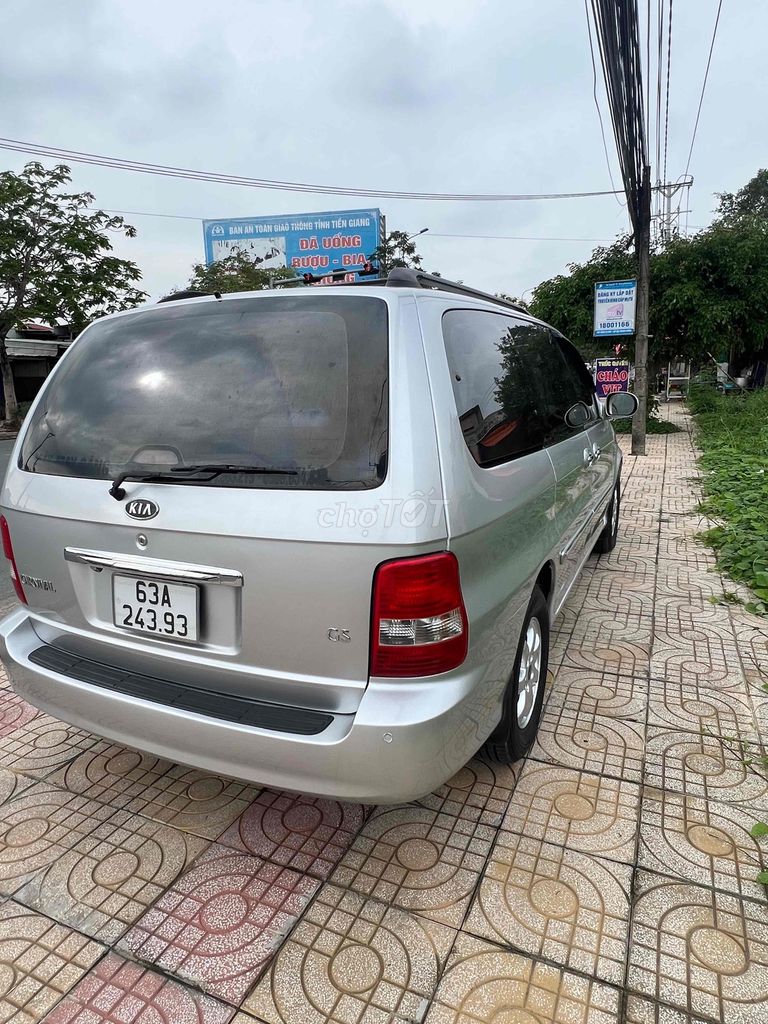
pixel 615 308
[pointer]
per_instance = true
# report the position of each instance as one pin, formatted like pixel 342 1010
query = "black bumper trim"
pixel 226 706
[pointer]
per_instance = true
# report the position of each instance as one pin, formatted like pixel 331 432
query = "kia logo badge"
pixel 142 508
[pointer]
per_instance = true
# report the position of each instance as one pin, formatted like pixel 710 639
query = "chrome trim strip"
pixel 99 560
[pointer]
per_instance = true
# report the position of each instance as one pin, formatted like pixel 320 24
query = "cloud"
pixel 440 95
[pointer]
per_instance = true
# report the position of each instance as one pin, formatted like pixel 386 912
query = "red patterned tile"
pixel 14 712
pixel 40 961
pixel 118 992
pixel 302 832
pixel 219 924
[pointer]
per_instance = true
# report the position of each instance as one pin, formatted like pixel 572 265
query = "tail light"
pixel 419 623
pixel 8 552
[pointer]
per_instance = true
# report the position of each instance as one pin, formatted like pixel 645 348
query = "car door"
pixel 600 440
pixel 568 446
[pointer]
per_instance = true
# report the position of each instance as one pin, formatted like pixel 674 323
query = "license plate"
pixel 153 606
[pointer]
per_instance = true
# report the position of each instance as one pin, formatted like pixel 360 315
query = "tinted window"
pixel 581 378
pixel 512 382
pixel 288 382
pixel 493 361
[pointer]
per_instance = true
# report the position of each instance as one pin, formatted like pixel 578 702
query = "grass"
pixel 732 432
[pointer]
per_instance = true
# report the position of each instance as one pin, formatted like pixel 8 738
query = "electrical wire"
pixel 704 84
pixel 617 31
pixel 433 234
pixel 117 163
pixel 666 112
pixel 597 105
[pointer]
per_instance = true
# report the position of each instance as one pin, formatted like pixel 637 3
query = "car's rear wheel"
pixel 607 540
pixel 524 695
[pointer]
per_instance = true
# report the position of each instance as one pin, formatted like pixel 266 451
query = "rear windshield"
pixel 297 383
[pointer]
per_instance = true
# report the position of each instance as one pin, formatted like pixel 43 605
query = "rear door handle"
pixel 588 457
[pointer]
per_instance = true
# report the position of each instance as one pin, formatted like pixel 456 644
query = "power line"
pixel 118 163
pixel 597 105
pixel 704 84
pixel 432 234
pixel 666 112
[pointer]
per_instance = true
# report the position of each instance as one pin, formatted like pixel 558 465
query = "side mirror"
pixel 578 415
pixel 620 404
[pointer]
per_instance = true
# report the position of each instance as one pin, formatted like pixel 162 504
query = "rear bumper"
pixel 405 739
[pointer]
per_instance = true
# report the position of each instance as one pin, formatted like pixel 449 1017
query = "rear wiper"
pixel 177 474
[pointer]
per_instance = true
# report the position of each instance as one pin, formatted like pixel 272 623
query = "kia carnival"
pixel 310 537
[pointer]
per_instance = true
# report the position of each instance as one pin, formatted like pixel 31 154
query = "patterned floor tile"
pixel 353 959
pixel 119 992
pixel 302 832
pixel 478 792
pixel 703 655
pixel 43 745
pixel 752 639
pixel 486 984
pixel 190 800
pixel 12 785
pixel 584 812
pixel 111 876
pixel 646 1011
pixel 419 860
pixel 39 827
pixel 699 950
pixel 590 650
pixel 40 961
pixel 218 925
pixel 629 594
pixel 14 713
pixel 703 842
pixel 579 739
pixel 701 766
pixel 555 903
pixel 604 694
pixel 639 560
pixel 675 579
pixel 610 626
pixel 694 707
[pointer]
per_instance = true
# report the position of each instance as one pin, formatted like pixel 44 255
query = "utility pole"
pixel 643 254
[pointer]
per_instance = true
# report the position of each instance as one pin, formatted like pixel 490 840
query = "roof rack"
pixel 190 293
pixel 402 277
pixel 407 277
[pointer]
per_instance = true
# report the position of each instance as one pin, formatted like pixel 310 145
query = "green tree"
pixel 567 301
pixel 235 273
pixel 397 250
pixel 56 259
pixel 709 292
pixel 749 201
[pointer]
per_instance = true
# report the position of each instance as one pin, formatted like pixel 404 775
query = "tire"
pixel 519 723
pixel 607 540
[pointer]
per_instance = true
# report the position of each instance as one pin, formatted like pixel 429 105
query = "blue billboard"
pixel 314 243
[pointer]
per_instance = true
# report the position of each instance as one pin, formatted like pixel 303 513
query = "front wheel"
pixel 607 540
pixel 524 695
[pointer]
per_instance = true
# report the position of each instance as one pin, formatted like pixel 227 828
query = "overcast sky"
pixel 417 95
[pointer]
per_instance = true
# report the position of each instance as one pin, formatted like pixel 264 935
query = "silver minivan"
pixel 309 537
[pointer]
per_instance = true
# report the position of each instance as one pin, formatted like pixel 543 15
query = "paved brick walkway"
pixel 609 878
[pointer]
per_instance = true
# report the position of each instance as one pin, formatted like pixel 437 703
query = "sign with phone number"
pixel 614 311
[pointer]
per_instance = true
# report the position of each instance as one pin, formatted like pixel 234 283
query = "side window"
pixel 567 384
pixel 497 364
pixel 583 384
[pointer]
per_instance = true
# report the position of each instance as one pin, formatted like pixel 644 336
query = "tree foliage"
pixel 56 259
pixel 397 250
pixel 709 292
pixel 235 273
pixel 749 201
